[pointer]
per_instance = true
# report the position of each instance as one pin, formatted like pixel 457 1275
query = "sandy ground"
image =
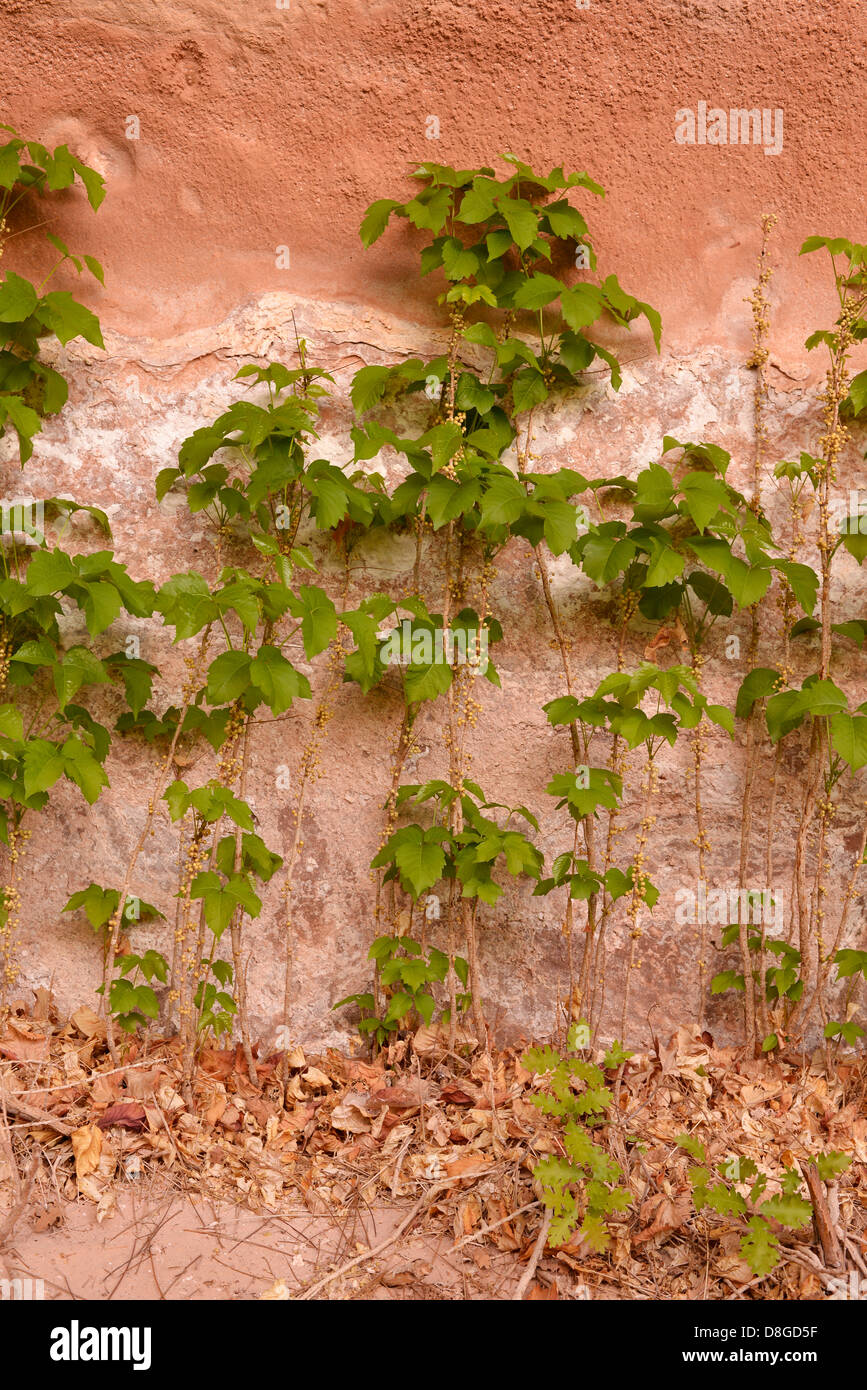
pixel 176 1245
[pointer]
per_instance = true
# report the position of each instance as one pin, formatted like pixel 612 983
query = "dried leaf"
pixel 142 1082
pixel 316 1079
pixel 467 1164
pixel 127 1115
pixel 359 1114
pixel 539 1292
pixel 663 1214
pixel 87 1147
pixel 88 1022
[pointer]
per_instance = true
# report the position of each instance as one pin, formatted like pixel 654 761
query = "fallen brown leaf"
pixel 127 1115
pixel 663 1214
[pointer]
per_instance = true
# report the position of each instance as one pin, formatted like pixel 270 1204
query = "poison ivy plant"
pixel 130 1001
pixel 580 1187
pixel 134 1004
pixel 250 476
pixel 49 732
pixel 225 889
pixel 30 389
pixel 407 974
pixel 55 607
pixel 419 857
pixel 782 985
pixel 759 1222
pixel 674 687
pixel 849 963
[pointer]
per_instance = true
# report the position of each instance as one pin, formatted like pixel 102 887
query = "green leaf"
pixel 376 219
pixel 68 319
pixel 426 1005
pixel 803 581
pixel 855 629
pixel 849 962
pixel 95 268
pixel 472 395
pixel 165 480
pixel 421 862
pixel 399 1005
pixel 528 390
pixel 49 571
pixel 565 221
pixel 760 683
pixel 94 183
pixel 429 213
pixel 521 220
pixel 693 1146
pixel 581 305
pixel 82 768
pixel 99 904
pixel 368 386
pixel 278 680
pixel 458 261
pixel 849 738
pixel 665 565
pixel 228 677
pixel 536 292
pixel 849 1032
pixel 832 1164
pixel 727 979
pixel 789 1209
pixel 413 973
pixel 75 668
pixel 654 490
pixel 760 1247
pixel 319 620
pixel 122 997
pixel 178 797
pixel 854 540
pixel 43 766
pixel 146 1001
pixel 18 298
pixel 541 1059
pixel 101 607
pixel 704 496
pixel 858 393
pixel 477 204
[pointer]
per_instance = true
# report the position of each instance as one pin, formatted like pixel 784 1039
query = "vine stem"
pixel 802 896
pixel 616 762
pixel 848 896
pixel 307 772
pixel 831 444
pixel 703 844
pixel 761 326
pixel 637 885
pixel 578 757
pixel 238 964
pixel 194 965
pixel 117 916
pixel 743 930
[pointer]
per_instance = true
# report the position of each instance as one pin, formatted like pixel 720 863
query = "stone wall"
pixel 261 127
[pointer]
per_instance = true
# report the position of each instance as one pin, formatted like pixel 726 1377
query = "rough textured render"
pixel 277 129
